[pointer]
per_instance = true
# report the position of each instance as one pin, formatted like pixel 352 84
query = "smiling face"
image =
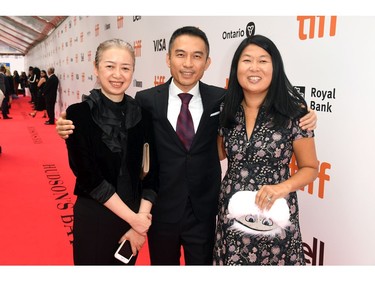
pixel 115 71
pixel 188 61
pixel 254 70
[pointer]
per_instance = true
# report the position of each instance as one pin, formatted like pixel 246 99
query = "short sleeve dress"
pixel 263 159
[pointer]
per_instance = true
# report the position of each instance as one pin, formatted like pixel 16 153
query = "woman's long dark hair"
pixel 282 101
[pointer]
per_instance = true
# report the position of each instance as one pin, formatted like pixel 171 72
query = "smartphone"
pixel 124 252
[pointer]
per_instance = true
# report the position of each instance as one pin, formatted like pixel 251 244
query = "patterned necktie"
pixel 185 126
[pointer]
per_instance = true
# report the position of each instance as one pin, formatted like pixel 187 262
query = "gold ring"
pixel 269 198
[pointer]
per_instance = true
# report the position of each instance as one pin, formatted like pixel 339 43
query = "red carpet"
pixel 36 192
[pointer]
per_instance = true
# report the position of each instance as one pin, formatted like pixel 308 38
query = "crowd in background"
pixel 9 86
pixel 35 83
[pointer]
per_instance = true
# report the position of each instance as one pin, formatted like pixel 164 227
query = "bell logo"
pixel 313 256
pixel 309 21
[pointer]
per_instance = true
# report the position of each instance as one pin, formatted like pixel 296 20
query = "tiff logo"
pixel 120 22
pixel 310 24
pixel 158 80
pixel 323 176
pixel 137 48
pixel 96 30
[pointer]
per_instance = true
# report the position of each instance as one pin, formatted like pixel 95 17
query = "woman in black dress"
pixel 105 154
pixel 259 134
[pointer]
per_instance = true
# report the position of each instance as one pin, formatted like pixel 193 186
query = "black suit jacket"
pixel 97 168
pixel 50 89
pixel 183 174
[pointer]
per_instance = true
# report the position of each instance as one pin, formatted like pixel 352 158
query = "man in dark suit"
pixel 189 179
pixel 50 94
pixel 184 214
pixel 4 87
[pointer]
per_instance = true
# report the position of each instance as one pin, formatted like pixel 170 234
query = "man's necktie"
pixel 185 126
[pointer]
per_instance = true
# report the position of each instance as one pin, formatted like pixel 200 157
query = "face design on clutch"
pixel 249 219
pixel 256 222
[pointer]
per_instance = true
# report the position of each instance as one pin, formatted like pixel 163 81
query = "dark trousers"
pixel 96 233
pixel 5 107
pixel 50 107
pixel 195 237
pixel 33 91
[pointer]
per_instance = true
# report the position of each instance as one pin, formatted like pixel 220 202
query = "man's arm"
pixel 64 127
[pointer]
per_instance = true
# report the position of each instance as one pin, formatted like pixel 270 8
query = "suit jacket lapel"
pixel 161 101
pixel 208 102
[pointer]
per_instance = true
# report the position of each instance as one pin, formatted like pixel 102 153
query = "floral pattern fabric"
pixel 262 159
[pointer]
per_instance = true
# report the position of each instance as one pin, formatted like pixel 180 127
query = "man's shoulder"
pixel 212 89
pixel 155 89
pixel 150 92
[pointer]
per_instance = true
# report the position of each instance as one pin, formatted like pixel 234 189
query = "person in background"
pixel 23 82
pixel 259 133
pixel 16 83
pixel 50 95
pixel 40 101
pixel 10 83
pixel 105 155
pixel 34 75
pixel 189 177
pixel 5 86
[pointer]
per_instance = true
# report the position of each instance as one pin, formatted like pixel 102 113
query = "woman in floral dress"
pixel 259 134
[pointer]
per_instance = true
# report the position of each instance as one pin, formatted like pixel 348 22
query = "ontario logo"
pixel 232 34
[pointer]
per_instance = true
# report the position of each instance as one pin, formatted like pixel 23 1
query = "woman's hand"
pixel 136 240
pixel 268 194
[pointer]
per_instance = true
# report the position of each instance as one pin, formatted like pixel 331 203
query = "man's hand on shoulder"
pixel 309 121
pixel 64 127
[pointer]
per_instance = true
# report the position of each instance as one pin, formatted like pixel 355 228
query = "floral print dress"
pixel 263 159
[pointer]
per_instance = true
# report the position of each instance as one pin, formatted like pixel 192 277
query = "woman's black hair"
pixel 282 102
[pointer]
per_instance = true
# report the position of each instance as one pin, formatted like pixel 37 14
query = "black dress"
pixel 105 154
pixel 40 101
pixel 262 159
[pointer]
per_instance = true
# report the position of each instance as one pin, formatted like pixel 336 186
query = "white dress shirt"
pixel 174 105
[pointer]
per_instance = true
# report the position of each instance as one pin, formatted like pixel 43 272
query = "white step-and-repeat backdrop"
pixel 329 58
